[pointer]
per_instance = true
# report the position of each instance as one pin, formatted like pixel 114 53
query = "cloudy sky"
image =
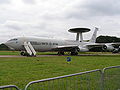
pixel 53 18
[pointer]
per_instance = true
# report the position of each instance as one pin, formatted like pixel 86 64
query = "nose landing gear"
pixel 61 53
pixel 23 53
pixel 74 53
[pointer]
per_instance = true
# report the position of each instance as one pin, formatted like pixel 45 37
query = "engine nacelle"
pixel 116 50
pixel 83 49
pixel 108 47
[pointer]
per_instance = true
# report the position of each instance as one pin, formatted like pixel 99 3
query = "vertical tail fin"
pixel 93 39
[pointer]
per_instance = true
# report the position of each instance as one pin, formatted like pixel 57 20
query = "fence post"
pixel 102 79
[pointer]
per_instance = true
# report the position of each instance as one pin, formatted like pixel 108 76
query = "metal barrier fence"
pixel 106 79
pixel 10 87
pixel 111 78
pixel 79 81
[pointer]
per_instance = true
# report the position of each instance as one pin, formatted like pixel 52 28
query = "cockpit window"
pixel 13 39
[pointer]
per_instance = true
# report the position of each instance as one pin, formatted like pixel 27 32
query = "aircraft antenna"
pixel 79 32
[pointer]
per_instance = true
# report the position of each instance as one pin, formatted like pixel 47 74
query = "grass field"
pixel 21 70
pixel 48 53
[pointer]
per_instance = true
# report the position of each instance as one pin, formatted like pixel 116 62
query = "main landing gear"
pixel 63 53
pixel 74 53
pixel 26 54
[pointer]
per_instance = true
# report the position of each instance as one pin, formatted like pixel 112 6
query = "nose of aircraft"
pixel 8 44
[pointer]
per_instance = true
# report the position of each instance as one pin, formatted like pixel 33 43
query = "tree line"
pixel 3 47
pixel 107 39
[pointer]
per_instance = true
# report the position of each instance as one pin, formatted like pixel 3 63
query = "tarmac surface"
pixel 61 55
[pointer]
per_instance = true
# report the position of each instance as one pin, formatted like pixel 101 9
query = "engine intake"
pixel 83 49
pixel 108 47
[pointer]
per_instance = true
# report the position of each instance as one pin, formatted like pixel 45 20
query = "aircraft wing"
pixel 65 48
pixel 115 44
pixel 90 46
pixel 87 46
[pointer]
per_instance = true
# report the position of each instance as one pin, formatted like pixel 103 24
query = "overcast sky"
pixel 53 18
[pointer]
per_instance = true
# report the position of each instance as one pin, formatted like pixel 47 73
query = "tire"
pixel 74 53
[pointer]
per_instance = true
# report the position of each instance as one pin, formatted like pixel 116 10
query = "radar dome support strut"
pixel 77 37
pixel 79 32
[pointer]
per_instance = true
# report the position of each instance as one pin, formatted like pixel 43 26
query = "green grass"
pixel 9 53
pixel 48 53
pixel 18 53
pixel 19 71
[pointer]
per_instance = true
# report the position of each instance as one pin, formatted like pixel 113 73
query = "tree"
pixel 3 47
pixel 107 39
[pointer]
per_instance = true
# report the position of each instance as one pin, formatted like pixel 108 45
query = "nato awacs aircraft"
pixel 29 45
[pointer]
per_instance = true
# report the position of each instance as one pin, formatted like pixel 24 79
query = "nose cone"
pixel 9 45
pixel 6 43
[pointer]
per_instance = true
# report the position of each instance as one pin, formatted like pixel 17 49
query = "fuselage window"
pixel 55 43
pixel 50 43
pixel 42 43
pixel 34 43
pixel 46 43
pixel 13 39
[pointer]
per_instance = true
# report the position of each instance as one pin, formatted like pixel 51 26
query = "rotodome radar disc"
pixel 79 30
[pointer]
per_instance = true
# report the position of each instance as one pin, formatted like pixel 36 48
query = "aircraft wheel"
pixel 115 51
pixel 74 53
pixel 22 53
pixel 60 53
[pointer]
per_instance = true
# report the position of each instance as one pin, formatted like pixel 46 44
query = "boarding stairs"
pixel 29 49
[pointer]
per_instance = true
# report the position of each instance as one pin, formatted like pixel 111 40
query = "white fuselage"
pixel 40 44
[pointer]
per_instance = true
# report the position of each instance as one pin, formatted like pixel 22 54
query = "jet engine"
pixel 79 49
pixel 108 47
pixel 83 49
pixel 116 50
